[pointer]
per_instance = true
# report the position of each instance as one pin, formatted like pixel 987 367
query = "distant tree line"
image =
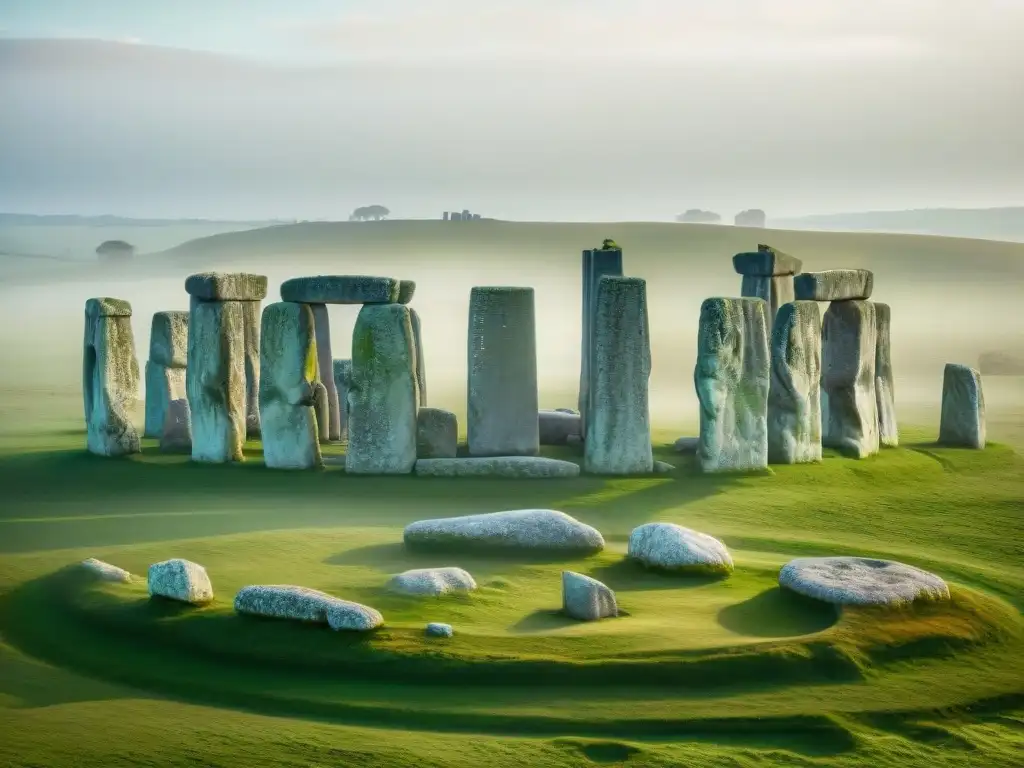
pixel 369 213
pixel 115 250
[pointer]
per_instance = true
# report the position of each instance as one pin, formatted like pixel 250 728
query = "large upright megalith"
pixel 383 397
pixel 732 381
pixel 885 391
pixel 767 274
pixel 288 356
pixel 619 435
pixel 963 408
pixel 794 396
pixel 165 368
pixel 597 263
pixel 502 396
pixel 215 381
pixel 110 377
pixel 325 368
pixel 850 418
pixel 421 365
pixel 343 383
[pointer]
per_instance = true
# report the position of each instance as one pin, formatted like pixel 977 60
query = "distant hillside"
pixel 987 223
pixel 69 220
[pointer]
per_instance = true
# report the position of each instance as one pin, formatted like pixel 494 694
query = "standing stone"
pixel 251 343
pixel 885 398
pixel 215 380
pixel 502 413
pixel 963 408
pixel 597 263
pixel 383 396
pixel 767 274
pixel 330 424
pixel 322 411
pixel 165 369
pixel 586 599
pixel 437 434
pixel 176 434
pixel 618 440
pixel 110 378
pixel 342 382
pixel 850 418
pixel 732 382
pixel 794 397
pixel 421 366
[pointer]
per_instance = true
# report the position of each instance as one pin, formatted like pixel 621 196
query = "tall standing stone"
pixel 963 408
pixel 502 413
pixel 165 369
pixel 215 381
pixel 110 378
pixel 767 274
pixel 849 337
pixel 343 383
pixel 251 351
pixel 619 438
pixel 421 366
pixel 794 396
pixel 885 397
pixel 288 355
pixel 597 263
pixel 325 368
pixel 732 382
pixel 383 397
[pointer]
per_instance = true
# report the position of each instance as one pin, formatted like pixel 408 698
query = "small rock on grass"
pixel 435 629
pixel 106 571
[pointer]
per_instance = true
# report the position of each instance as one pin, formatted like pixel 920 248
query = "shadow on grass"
pixel 543 621
pixel 778 612
pixel 398 556
pixel 628 575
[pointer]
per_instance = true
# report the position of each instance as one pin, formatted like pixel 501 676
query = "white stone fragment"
pixel 180 580
pixel 540 529
pixel 106 571
pixel 433 581
pixel 672 547
pixel 861 581
pixel 283 601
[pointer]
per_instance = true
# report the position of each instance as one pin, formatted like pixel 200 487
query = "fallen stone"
pixel 885 397
pixel 963 408
pixel 437 434
pixel 110 378
pixel 226 286
pixel 534 529
pixel 105 571
pixel 555 427
pixel 794 397
pixel 342 382
pixel 435 629
pixel 421 364
pixel 180 580
pixel 520 467
pixel 766 262
pixel 176 434
pixel 686 445
pixel 585 598
pixel 251 319
pixel 663 468
pixel 672 547
pixel 732 380
pixel 341 289
pixel 618 437
pixel 861 581
pixel 282 601
pixel 215 381
pixel 849 415
pixel 322 411
pixel 502 413
pixel 406 290
pixel 433 581
pixel 834 285
pixel 163 385
pixel 597 263
pixel 168 339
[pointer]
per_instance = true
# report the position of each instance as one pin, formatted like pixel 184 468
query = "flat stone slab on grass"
pixel 587 599
pixel 861 581
pixel 226 286
pixel 672 547
pixel 556 427
pixel 766 262
pixel 341 289
pixel 522 467
pixel 537 529
pixel 433 581
pixel 180 580
pixel 834 285
pixel 282 601
pixel 106 571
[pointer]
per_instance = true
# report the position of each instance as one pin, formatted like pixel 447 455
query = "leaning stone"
pixel 226 286
pixel 435 629
pixel 794 397
pixel 287 387
pixel 766 262
pixel 861 581
pixel 406 290
pixel 215 381
pixel 618 438
pixel 534 529
pixel 437 434
pixel 105 571
pixel 168 339
pixel 163 385
pixel 251 350
pixel 686 445
pixel 521 467
pixel 556 427
pixel 433 581
pixel 672 547
pixel 180 580
pixel 585 598
pixel 341 289
pixel 283 601
pixel 342 382
pixel 110 378
pixel 383 398
pixel 731 378
pixel 963 408
pixel 597 263
pixel 885 398
pixel 176 433
pixel 834 285
pixel 849 415
pixel 502 418
pixel 421 364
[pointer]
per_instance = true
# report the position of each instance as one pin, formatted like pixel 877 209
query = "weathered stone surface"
pixel 251 319
pixel 732 380
pixel 180 580
pixel 287 387
pixel 555 427
pixel 421 364
pixel 342 382
pixel 522 467
pixel 618 438
pixel 341 289
pixel 322 411
pixel 502 414
pixel 963 408
pixel 105 571
pixel 794 397
pixel 284 601
pixel 168 339
pixel 686 445
pixel 110 378
pixel 672 547
pixel 437 434
pixel 585 598
pixel 535 529
pixel 597 263
pixel 433 581
pixel 330 422
pixel 226 286
pixel 163 385
pixel 383 396
pixel 834 285
pixel 861 581
pixel 885 390
pixel 176 433
pixel 849 410
pixel 215 381
pixel 766 262
pixel 437 629
pixel 406 290
pixel 776 292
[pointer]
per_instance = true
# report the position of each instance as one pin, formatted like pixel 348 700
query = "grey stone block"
pixel 861 581
pixel 342 382
pixel 794 397
pixel 341 289
pixel 215 381
pixel 406 290
pixel 110 378
pixel 163 384
pixel 437 434
pixel 556 427
pixel 766 262
pixel 963 408
pixel 330 421
pixel 849 407
pixel 421 363
pixel 226 286
pixel 597 263
pixel 885 390
pixel 834 285
pixel 586 599
pixel 168 339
